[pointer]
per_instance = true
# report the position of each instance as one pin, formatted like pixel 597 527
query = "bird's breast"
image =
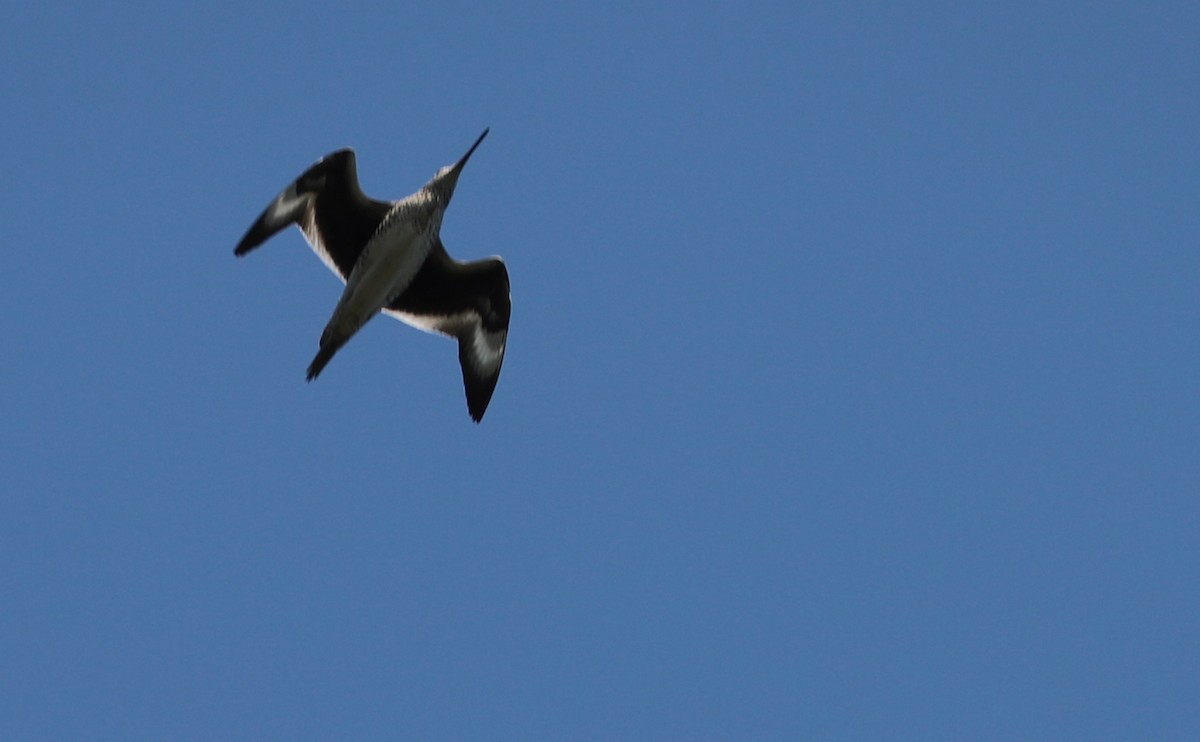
pixel 386 267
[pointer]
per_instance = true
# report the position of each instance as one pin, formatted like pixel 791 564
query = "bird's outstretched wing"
pixel 328 206
pixel 467 301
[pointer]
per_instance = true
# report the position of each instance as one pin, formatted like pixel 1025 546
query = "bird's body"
pixel 391 257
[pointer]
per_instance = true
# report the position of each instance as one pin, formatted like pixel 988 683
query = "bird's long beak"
pixel 458 166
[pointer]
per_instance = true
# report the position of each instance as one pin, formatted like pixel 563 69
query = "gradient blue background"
pixel 851 389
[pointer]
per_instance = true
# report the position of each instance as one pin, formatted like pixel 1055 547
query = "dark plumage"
pixel 392 259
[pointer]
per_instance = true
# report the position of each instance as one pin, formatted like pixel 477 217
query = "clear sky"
pixel 851 388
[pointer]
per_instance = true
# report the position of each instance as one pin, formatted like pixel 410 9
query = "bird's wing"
pixel 327 205
pixel 467 301
pixel 480 354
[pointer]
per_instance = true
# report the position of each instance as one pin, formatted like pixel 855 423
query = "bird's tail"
pixel 323 357
pixel 343 325
pixel 332 341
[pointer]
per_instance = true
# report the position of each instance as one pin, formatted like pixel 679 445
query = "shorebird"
pixel 391 258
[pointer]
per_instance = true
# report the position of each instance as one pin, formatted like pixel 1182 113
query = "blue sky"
pixel 851 388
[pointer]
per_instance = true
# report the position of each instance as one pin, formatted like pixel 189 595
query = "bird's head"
pixel 443 183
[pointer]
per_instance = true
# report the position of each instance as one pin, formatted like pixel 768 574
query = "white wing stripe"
pixel 487 349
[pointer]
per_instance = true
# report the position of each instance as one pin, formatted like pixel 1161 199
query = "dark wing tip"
pixel 279 214
pixel 479 394
pixel 479 383
pixel 494 312
pixel 254 237
pixel 290 205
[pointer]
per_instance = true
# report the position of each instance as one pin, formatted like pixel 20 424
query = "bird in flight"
pixel 391 258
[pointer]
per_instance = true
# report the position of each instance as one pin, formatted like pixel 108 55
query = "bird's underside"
pixel 407 274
